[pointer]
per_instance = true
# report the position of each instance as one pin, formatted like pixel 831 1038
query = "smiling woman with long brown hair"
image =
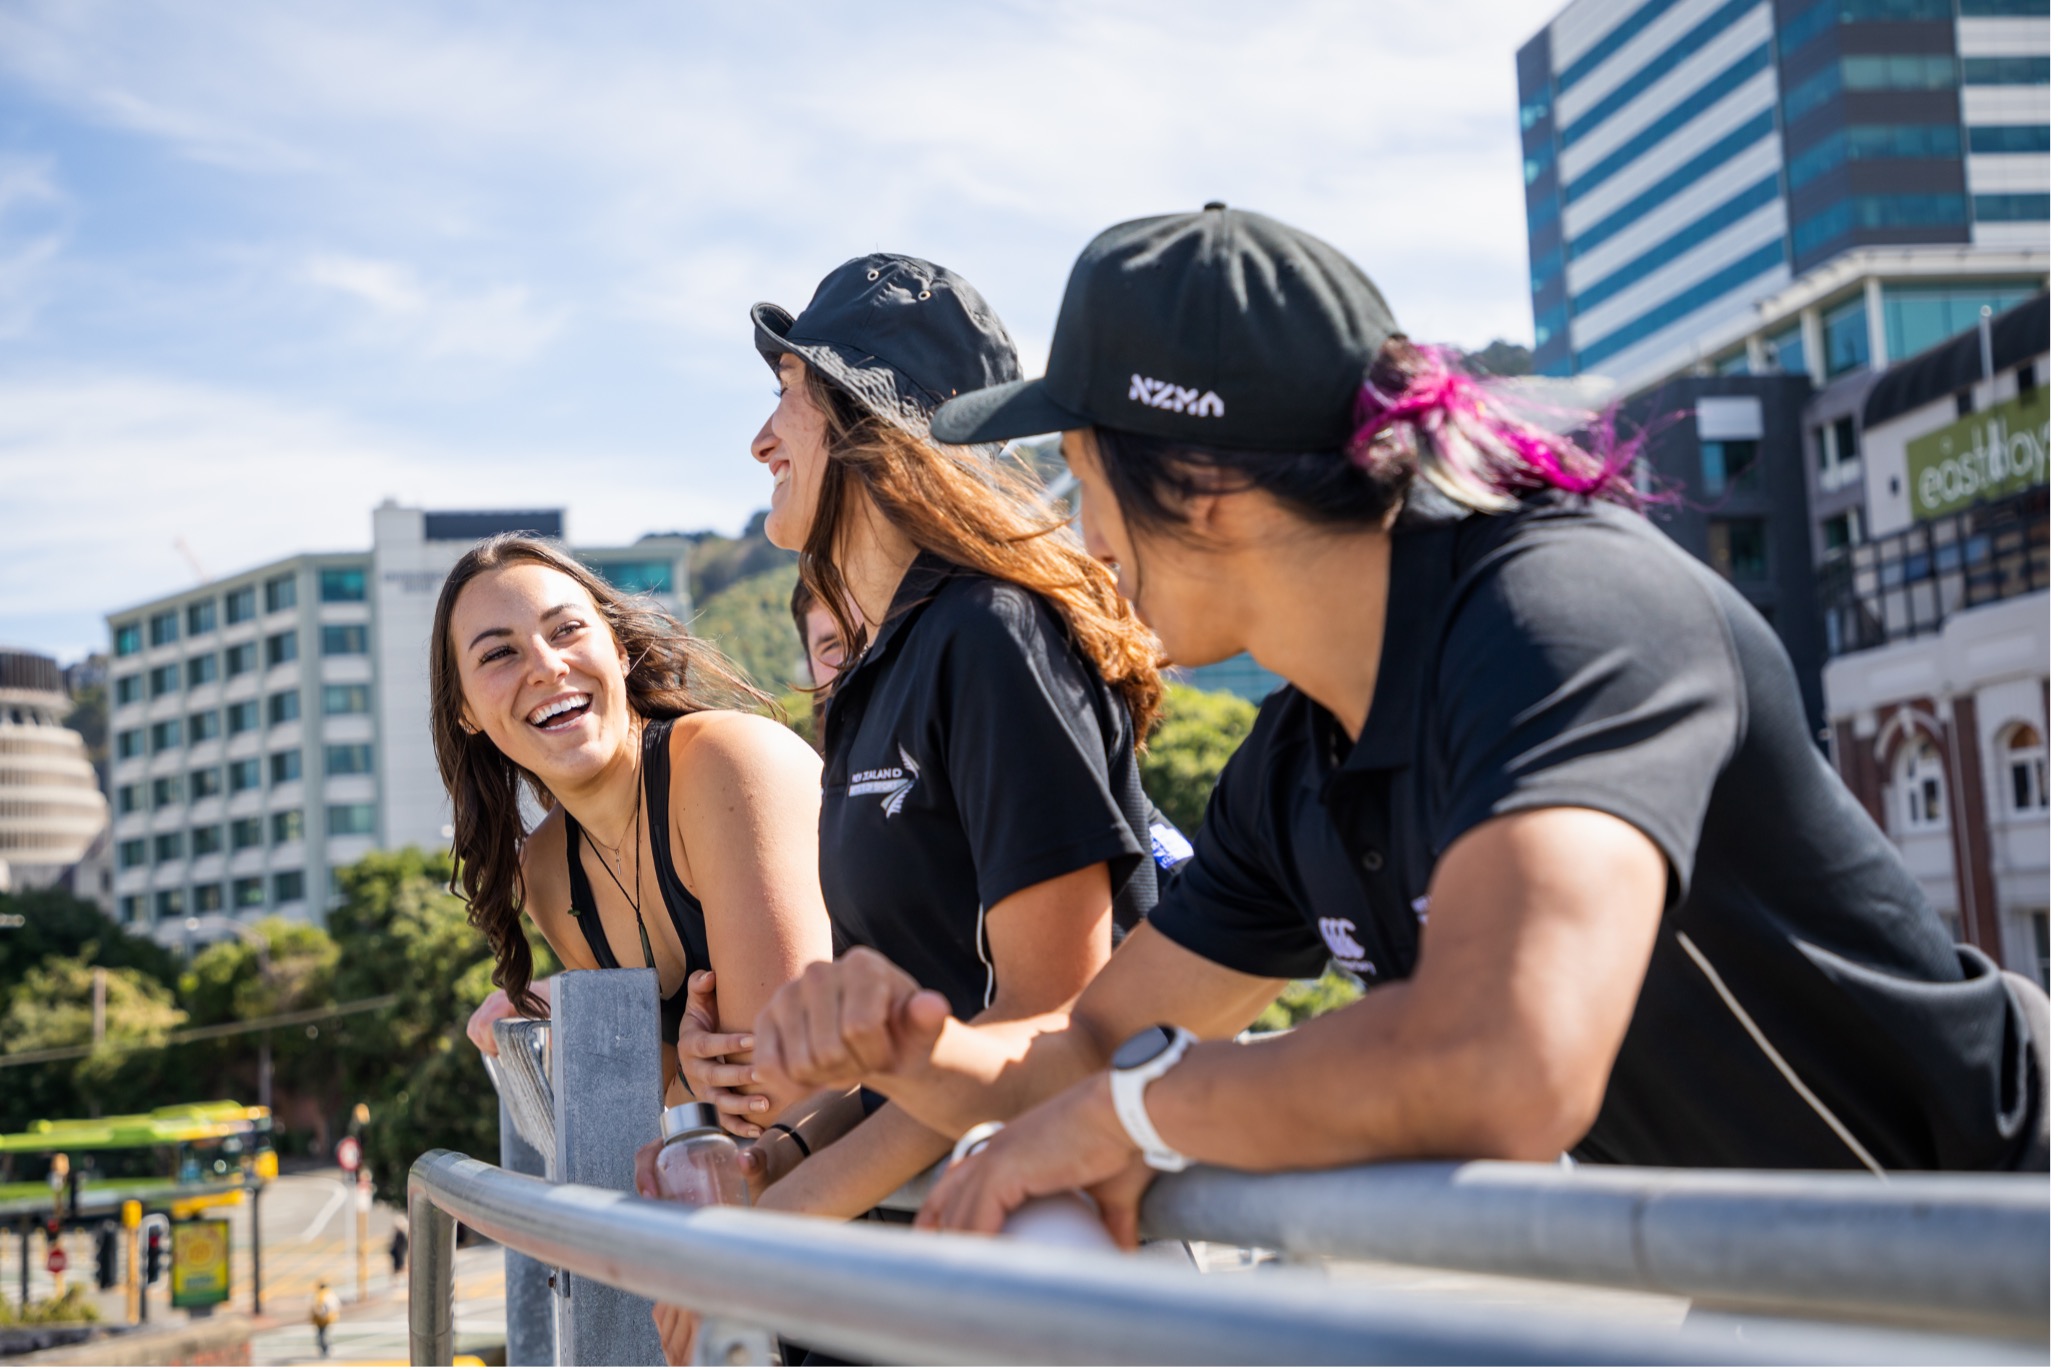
pixel 679 827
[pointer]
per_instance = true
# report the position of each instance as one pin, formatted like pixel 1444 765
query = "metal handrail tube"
pixel 1959 1251
pixel 898 1297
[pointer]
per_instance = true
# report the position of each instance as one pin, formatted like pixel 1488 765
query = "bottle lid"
pixel 695 1116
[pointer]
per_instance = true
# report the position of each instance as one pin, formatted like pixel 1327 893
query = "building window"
pixel 281 648
pixel 1918 317
pixel 1727 466
pixel 1919 786
pixel 1842 531
pixel 240 606
pixel 164 792
pixel 2021 207
pixel 168 846
pixel 288 827
pixel 164 628
pixel 351 820
pixel 204 726
pixel 343 639
pixel 2008 71
pixel 128 639
pixel 285 767
pixel 204 783
pixel 1846 345
pixel 248 892
pixel 134 852
pixel 2025 380
pixel 283 707
pixel 171 904
pixel 164 680
pixel 641 577
pixel 1788 354
pixel 128 689
pixel 128 799
pixel 1737 548
pixel 247 774
pixel 2023 763
pixel 128 743
pixel 241 658
pixel 164 736
pixel 207 841
pixel 246 833
pixel 346 699
pixel 2007 138
pixel 342 584
pixel 242 716
pixel 202 670
pixel 352 759
pixel 2040 931
pixel 207 899
pixel 132 908
pixel 281 592
pixel 200 618
pixel 288 887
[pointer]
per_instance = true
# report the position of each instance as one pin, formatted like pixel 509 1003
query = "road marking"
pixel 321 1219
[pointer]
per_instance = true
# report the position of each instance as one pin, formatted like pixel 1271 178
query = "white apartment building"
pixel 271 727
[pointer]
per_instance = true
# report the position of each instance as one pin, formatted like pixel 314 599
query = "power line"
pixel 202 1034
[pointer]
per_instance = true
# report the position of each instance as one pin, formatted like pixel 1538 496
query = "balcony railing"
pixel 1908 583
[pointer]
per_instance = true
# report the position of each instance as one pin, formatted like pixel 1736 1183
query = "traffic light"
pixel 107 1256
pixel 153 1255
pixel 53 1229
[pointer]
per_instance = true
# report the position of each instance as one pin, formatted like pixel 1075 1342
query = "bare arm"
pixel 745 816
pixel 1540 931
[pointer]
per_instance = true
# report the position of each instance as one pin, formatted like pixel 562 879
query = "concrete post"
pixel 604 1081
pixel 531 1309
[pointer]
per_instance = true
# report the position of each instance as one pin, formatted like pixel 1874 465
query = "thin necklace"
pixel 635 900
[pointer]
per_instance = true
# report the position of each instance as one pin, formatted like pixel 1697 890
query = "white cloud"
pixel 497 324
pixel 34 225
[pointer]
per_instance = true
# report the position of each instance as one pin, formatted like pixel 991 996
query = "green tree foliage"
pixel 717 562
pixel 752 623
pixel 52 1006
pixel 1501 358
pixel 400 931
pixel 55 923
pixel 1189 747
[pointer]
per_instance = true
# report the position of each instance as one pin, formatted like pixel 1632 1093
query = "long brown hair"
pixel 671 673
pixel 986 514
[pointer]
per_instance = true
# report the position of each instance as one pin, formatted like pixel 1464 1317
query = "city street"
pixel 310 1224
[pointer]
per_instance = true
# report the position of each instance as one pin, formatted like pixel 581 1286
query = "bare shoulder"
pixel 722 748
pixel 546 883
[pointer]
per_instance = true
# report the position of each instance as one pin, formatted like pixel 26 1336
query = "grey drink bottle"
pixel 699 1163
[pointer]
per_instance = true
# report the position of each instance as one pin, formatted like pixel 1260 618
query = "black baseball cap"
pixel 900 334
pixel 1222 327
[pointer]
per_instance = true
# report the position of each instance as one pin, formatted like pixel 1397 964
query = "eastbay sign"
pixel 1982 456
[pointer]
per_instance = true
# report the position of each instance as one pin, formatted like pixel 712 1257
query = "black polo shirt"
pixel 971 752
pixel 1569 655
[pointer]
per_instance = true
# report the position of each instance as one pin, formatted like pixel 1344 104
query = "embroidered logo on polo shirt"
pixel 893 782
pixel 1342 936
pixel 1168 395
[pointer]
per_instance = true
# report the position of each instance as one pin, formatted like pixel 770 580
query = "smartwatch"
pixel 1137 1062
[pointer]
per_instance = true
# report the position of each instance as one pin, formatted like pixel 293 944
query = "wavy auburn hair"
pixel 987 514
pixel 671 673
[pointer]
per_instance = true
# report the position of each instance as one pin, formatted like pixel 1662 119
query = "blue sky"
pixel 263 265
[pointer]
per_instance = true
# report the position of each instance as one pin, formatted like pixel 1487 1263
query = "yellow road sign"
pixel 200 1262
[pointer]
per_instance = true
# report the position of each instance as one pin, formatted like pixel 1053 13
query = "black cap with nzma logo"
pixel 1223 327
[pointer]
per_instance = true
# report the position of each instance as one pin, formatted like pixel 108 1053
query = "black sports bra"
pixel 689 921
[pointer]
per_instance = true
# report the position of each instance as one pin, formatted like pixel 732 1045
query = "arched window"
pixel 1919 786
pixel 2023 770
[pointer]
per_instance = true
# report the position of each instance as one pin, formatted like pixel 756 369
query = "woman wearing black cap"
pixel 983 824
pixel 1541 779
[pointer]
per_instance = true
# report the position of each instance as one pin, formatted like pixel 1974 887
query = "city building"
pixel 1937 619
pixel 271 727
pixel 53 818
pixel 1810 187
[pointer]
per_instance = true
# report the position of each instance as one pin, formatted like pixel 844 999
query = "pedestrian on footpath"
pixel 1539 778
pixel 324 1312
pixel 397 1248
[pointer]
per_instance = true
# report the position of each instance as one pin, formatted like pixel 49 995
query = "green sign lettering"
pixel 1982 456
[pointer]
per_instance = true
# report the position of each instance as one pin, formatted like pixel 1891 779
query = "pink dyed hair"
pixel 1462 433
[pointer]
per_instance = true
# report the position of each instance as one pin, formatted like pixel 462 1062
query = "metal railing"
pixel 1917 1267
pixel 900 1297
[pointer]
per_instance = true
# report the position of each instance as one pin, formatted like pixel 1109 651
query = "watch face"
pixel 1144 1047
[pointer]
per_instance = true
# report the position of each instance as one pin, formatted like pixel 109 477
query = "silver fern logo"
pixel 892 783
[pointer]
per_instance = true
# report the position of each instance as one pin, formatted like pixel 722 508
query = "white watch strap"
pixel 1127 1087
